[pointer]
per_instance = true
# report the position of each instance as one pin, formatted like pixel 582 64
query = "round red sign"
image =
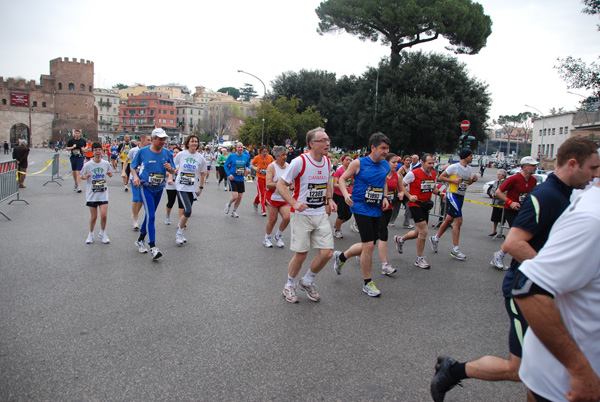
pixel 465 124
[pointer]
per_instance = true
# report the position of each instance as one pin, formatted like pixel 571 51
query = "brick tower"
pixel 74 100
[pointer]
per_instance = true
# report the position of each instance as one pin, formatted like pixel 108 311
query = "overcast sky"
pixel 197 43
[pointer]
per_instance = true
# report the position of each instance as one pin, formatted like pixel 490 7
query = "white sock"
pixel 308 278
pixel 279 233
pixel 179 231
pixel 291 282
pixel 92 233
pixel 268 236
pixel 101 233
pixel 455 249
pixel 435 238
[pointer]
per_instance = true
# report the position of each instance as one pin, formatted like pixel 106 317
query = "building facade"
pixel 145 112
pixel 549 133
pixel 107 103
pixel 62 102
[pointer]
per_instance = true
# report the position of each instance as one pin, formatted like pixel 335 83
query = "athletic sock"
pixel 435 238
pixel 291 281
pixel 142 236
pixel 367 281
pixel 279 233
pixel 458 371
pixel 152 244
pixel 455 249
pixel 342 258
pixel 267 236
pixel 308 278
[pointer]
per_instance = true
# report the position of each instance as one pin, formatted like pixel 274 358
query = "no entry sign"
pixel 465 124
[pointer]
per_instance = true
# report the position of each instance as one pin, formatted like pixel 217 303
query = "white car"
pixel 487 187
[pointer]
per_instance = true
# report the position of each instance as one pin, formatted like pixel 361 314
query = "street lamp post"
pixel 543 129
pixel 262 138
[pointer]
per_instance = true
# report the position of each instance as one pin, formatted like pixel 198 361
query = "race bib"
pixel 522 197
pixel 462 188
pixel 76 153
pixel 187 179
pixel 315 197
pixel 263 171
pixel 390 198
pixel 156 179
pixel 239 171
pixel 373 195
pixel 98 186
pixel 427 186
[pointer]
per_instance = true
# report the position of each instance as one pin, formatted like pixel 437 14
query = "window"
pixel 566 130
pixel 60 86
pixel 43 104
pixel 551 150
pixel 171 121
pixel 90 88
pixel 34 103
pixel 82 87
pixel 100 118
pixel 172 112
pixel 553 131
pixel 560 131
pixel 131 121
pixel 544 131
pixel 151 112
pixel 4 101
pixel 71 86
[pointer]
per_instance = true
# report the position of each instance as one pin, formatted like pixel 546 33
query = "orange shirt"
pixel 262 163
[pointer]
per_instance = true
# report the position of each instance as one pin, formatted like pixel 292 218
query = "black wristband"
pixel 201 187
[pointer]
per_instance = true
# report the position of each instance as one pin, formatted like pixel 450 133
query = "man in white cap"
pixel 148 168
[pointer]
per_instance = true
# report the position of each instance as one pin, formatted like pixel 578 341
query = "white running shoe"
pixel 179 238
pixel 354 227
pixel 167 220
pixel 387 269
pixel 290 294
pixel 264 214
pixel 399 243
pixel 136 226
pixel 337 264
pixel 78 189
pixel 267 243
pixel 279 241
pixel 156 254
pixel 255 207
pixel 498 261
pixel 421 263
pixel 90 238
pixel 371 290
pixel 234 214
pixel 227 207
pixel 434 244
pixel 458 255
pixel 104 238
pixel 338 234
pixel 141 246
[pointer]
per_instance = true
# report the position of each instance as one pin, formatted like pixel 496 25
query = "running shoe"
pixel 78 189
pixel 179 238
pixel 227 206
pixel 156 254
pixel 290 294
pixel 167 220
pixel 354 227
pixel 434 244
pixel 267 243
pixel 255 207
pixel 421 263
pixel 399 243
pixel 338 234
pixel 234 215
pixel 75 187
pixel 409 226
pixel 311 291
pixel 141 246
pixel 90 238
pixel 126 189
pixel 387 269
pixel 371 290
pixel 442 381
pixel 458 255
pixel 264 214
pixel 279 241
pixel 136 225
pixel 104 238
pixel 184 239
pixel 498 261
pixel 337 264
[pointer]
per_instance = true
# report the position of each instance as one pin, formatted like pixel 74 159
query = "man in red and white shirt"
pixel 311 205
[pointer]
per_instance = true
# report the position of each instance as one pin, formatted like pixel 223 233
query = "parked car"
pixel 487 187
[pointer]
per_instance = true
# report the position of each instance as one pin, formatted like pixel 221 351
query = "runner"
pixel 369 196
pixel 123 150
pixel 96 191
pixel 577 163
pixel 393 187
pixel 136 193
pixel 76 146
pixel 343 211
pixel 419 185
pixel 153 162
pixel 400 198
pixel 460 176
pixel 189 182
pixel 275 202
pixel 236 167
pixel 259 164
pixel 222 175
pixel 209 157
pixel 311 205
pixel 114 156
pixel 513 192
pixel 172 190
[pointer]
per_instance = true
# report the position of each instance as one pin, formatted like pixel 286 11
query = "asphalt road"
pixel 208 322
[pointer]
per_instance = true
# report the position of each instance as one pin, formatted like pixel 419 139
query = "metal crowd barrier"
pixel 440 205
pixel 54 174
pixel 9 184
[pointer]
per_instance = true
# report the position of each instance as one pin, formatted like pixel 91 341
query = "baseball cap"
pixel 464 153
pixel 159 133
pixel 529 160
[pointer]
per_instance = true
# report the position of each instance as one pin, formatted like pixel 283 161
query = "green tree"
pixel 248 92
pixel 282 121
pixel 231 91
pixel 120 86
pixel 404 23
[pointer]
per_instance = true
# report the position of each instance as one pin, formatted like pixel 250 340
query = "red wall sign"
pixel 19 99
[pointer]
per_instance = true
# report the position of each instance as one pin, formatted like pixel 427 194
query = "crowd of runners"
pixel 302 191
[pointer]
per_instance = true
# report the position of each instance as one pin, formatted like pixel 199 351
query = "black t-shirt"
pixel 79 144
pixel 542 207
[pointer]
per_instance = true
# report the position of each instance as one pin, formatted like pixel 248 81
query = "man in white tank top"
pixel 311 205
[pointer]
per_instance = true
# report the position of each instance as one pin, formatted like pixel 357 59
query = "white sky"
pixel 200 43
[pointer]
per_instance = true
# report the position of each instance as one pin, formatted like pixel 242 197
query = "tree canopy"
pixel 405 23
pixel 247 92
pixel 283 120
pixel 231 91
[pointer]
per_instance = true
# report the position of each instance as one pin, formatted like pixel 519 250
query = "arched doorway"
pixel 17 132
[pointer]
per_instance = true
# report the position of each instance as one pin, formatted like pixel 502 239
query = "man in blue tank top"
pixel 368 194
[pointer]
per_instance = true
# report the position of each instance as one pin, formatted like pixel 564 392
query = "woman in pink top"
pixel 344 213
